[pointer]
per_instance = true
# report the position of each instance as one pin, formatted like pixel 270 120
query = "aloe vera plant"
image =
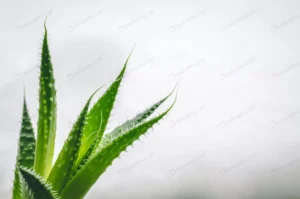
pixel 86 153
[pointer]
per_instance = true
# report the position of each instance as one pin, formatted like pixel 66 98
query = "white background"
pixel 234 132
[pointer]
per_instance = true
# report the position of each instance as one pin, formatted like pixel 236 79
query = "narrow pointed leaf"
pixel 47 114
pixel 17 189
pixel 90 172
pixel 26 149
pixel 62 168
pixel 108 138
pixel 37 185
pixel 103 106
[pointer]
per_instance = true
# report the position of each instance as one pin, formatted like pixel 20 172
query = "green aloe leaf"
pixel 90 172
pixel 24 192
pixel 47 114
pixel 17 189
pixel 27 140
pixel 26 150
pixel 86 154
pixel 39 188
pixel 20 190
pixel 108 138
pixel 86 157
pixel 62 168
pixel 99 114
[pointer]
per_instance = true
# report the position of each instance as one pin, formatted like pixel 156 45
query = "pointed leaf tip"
pixel 45 27
pixel 125 66
pixel 129 124
pixel 104 105
pixel 47 114
pixel 26 151
pixel 62 170
pixel 97 165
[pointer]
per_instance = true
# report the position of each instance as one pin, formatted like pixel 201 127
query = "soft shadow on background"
pixel 234 132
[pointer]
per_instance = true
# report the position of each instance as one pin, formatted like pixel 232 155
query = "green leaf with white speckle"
pixel 47 114
pixel 99 114
pixel 27 140
pixel 39 188
pixel 26 151
pixel 62 168
pixel 17 189
pixel 86 153
pixel 90 172
pixel 108 138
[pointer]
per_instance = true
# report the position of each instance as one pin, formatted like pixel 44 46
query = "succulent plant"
pixel 86 153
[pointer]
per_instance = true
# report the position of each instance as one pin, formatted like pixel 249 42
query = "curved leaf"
pixel 47 114
pixel 24 192
pixel 62 168
pixel 108 138
pixel 96 122
pixel 90 172
pixel 37 185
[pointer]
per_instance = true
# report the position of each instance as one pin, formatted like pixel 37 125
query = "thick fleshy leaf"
pixel 86 157
pixel 108 138
pixel 25 190
pixel 37 185
pixel 27 140
pixel 99 114
pixel 21 187
pixel 47 114
pixel 91 171
pixel 26 149
pixel 62 168
pixel 17 189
